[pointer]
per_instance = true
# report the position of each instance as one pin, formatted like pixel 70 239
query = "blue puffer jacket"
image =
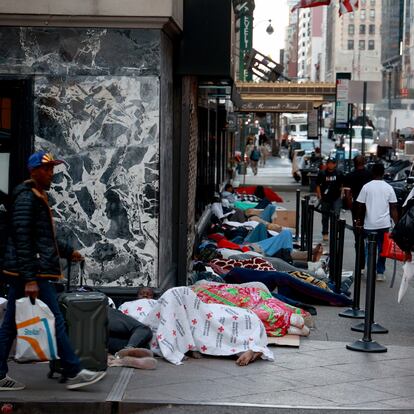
pixel 32 250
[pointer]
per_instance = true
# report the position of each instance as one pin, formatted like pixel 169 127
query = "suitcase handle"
pixel 82 268
pixel 69 270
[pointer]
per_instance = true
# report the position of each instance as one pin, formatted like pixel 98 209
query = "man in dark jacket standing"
pixel 328 190
pixel 31 261
pixel 354 181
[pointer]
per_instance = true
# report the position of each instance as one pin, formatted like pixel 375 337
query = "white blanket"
pixel 180 322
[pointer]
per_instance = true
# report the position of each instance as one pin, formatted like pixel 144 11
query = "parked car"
pixel 403 187
pixel 397 170
pixel 308 146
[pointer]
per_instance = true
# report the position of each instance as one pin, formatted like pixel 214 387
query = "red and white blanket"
pixel 181 322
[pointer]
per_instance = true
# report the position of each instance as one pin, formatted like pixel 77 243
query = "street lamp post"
pixel 269 29
pixel 389 73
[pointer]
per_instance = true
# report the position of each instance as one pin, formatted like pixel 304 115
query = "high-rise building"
pixel 391 59
pixel 310 43
pixel 291 43
pixel 407 78
pixel 353 41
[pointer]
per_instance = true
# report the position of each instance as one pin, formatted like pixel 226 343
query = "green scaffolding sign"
pixel 246 44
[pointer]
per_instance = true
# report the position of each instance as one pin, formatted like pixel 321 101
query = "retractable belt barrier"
pixel 337 229
pixel 309 230
pixel 366 344
pixel 303 224
pixel 336 240
pixel 297 215
pixel 355 312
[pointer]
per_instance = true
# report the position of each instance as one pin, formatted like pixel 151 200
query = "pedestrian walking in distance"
pixel 31 262
pixel 263 147
pixel 328 190
pixel 254 159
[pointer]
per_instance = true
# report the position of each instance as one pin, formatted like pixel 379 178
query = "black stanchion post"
pixel 303 224
pixel 309 237
pixel 355 312
pixel 366 344
pixel 339 254
pixel 307 200
pixel 375 327
pixel 332 245
pixel 297 214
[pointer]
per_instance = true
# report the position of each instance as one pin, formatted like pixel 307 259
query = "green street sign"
pixel 246 44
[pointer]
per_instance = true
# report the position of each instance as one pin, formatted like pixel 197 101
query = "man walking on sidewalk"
pixel 31 261
pixel 328 190
pixel 376 205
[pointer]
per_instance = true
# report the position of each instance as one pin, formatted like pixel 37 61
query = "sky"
pixel 278 12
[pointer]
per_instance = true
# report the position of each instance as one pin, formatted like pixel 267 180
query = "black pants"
pixel 126 331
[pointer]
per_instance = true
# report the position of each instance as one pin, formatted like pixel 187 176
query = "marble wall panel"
pixel 79 51
pixel 106 197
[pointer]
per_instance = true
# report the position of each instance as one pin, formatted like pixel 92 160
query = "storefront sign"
pixel 273 106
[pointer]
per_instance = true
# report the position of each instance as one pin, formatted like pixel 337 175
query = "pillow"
pixel 248 197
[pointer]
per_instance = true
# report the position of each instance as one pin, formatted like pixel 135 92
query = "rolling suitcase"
pixel 86 316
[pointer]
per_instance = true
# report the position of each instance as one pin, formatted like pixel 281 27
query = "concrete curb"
pixel 182 408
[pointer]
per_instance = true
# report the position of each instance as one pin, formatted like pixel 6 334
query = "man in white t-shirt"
pixel 376 205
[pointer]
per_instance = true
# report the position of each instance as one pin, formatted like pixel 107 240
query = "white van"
pixel 298 128
pixel 357 139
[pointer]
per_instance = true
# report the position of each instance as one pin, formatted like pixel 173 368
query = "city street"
pixel 128 129
pixel 320 376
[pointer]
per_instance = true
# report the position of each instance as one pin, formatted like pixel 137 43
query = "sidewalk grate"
pixel 118 390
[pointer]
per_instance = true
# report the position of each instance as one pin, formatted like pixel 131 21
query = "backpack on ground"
pixel 403 232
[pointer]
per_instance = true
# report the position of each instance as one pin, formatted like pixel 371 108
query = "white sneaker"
pixel 84 378
pixel 9 384
pixel 381 277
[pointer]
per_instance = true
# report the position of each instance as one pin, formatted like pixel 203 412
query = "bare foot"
pixel 133 362
pixel 317 253
pixel 195 355
pixel 134 352
pixel 247 357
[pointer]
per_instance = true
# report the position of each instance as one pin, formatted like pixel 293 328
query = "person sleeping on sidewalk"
pixel 278 318
pixel 258 242
pixel 228 208
pixel 181 322
pixel 128 342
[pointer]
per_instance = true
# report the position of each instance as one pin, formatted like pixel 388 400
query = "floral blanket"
pixel 275 314
pixel 181 322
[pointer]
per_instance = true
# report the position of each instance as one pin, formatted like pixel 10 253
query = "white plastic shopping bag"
pixel 36 338
pixel 3 307
pixel 408 273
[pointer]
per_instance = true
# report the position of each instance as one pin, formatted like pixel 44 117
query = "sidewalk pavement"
pixel 277 174
pixel 321 376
